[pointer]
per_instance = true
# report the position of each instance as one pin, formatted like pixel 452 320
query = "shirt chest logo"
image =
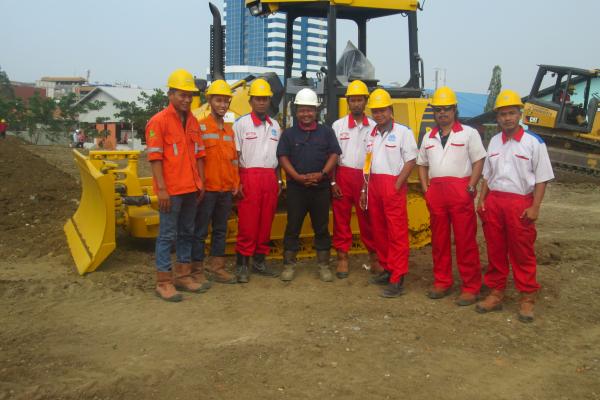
pixel 274 135
pixel 344 135
pixel 250 135
pixel 391 138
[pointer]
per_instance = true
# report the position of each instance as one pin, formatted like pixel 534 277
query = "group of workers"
pixel 201 166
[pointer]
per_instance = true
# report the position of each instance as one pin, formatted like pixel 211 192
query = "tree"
pixel 69 108
pixel 494 88
pixel 40 117
pixel 6 89
pixel 136 116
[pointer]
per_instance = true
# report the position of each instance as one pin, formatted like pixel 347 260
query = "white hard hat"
pixel 76 130
pixel 306 97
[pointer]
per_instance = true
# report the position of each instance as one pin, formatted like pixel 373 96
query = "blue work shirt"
pixel 308 150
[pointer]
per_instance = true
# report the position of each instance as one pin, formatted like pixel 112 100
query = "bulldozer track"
pixel 576 169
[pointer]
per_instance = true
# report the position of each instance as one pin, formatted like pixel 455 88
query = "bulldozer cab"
pixel 564 98
pixel 360 11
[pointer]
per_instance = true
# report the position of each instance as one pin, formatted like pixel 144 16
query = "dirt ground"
pixel 106 336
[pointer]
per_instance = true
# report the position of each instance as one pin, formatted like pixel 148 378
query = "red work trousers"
pixel 509 238
pixel 350 182
pixel 256 210
pixel 450 205
pixel 389 223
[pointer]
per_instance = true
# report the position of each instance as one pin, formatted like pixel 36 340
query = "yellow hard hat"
pixel 507 98
pixel 219 87
pixel 260 87
pixel 182 80
pixel 380 98
pixel 444 96
pixel 3 121
pixel 357 88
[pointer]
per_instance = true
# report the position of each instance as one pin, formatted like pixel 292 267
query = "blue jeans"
pixel 214 209
pixel 176 226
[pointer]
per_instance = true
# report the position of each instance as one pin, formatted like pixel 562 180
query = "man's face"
pixel 444 115
pixel 180 99
pixel 306 114
pixel 219 104
pixel 382 116
pixel 260 104
pixel 508 118
pixel 357 104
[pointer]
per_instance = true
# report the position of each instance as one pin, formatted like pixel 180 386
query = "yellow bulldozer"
pixel 113 195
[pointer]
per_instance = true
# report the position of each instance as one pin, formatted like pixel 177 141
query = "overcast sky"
pixel 141 42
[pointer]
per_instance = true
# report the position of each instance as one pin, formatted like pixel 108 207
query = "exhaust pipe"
pixel 217 45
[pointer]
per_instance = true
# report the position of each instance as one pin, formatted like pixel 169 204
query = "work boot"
pixel 438 292
pixel 376 268
pixel 241 268
pixel 182 278
pixel 323 260
pixel 342 265
pixel 527 303
pixel 382 278
pixel 493 302
pixel 466 299
pixel 260 266
pixel 218 271
pixel 289 265
pixel 199 277
pixel 394 289
pixel 164 287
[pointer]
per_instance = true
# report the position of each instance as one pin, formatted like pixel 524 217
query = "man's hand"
pixel 481 205
pixel 164 201
pixel 200 195
pixel 363 201
pixel 238 192
pixel 398 185
pixel 307 180
pixel 531 213
pixel 336 191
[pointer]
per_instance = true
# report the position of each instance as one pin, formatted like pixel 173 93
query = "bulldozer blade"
pixel 91 230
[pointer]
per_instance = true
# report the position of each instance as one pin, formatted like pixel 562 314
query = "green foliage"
pixel 137 117
pixel 6 90
pixel 494 88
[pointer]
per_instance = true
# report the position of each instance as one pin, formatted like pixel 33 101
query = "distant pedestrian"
pixel 515 174
pixel 3 128
pixel 80 139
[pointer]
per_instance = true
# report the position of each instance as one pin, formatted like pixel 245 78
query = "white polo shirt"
pixel 256 141
pixel 353 139
pixel 390 151
pixel 515 165
pixel 463 148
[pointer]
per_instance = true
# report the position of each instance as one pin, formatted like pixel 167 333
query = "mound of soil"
pixel 36 199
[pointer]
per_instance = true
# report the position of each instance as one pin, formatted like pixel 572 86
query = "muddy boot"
pixel 323 260
pixel 199 277
pixel 493 302
pixel 383 278
pixel 165 289
pixel 393 289
pixel 289 265
pixel 466 299
pixel 182 279
pixel 260 266
pixel 342 265
pixel 241 269
pixel 438 292
pixel 218 272
pixel 527 303
pixel 376 268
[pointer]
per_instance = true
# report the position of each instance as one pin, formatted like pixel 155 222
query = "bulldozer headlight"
pixel 256 9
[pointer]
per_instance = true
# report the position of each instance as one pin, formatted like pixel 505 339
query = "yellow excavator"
pixel 113 195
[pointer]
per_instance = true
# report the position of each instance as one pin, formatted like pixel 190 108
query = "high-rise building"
pixel 254 45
